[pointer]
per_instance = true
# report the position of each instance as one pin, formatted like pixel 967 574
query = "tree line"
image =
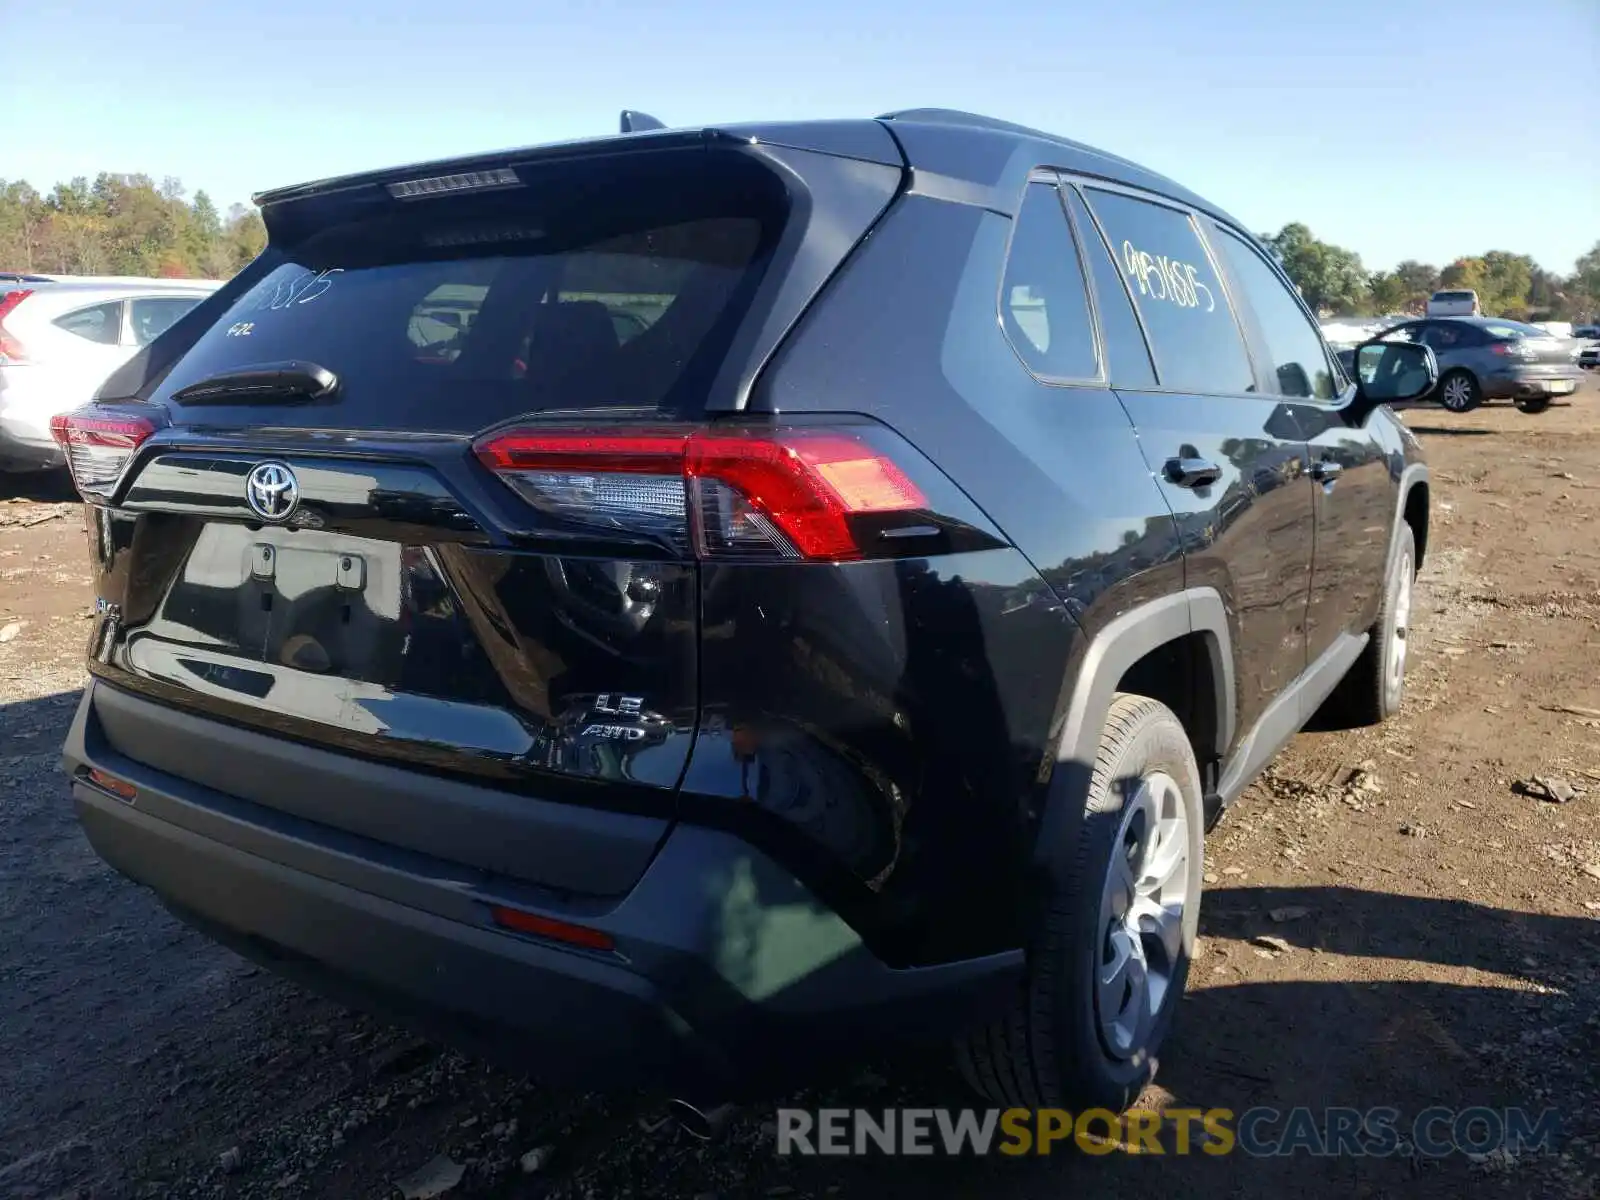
pixel 130 225
pixel 124 225
pixel 1334 283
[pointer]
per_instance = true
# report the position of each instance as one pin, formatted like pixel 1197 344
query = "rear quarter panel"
pixel 972 654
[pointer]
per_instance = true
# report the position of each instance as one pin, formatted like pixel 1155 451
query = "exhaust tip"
pixel 701 1124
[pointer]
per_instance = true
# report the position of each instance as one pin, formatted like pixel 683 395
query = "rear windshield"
pixel 1515 329
pixel 1453 296
pixel 618 288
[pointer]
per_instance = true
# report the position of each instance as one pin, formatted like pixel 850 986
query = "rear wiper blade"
pixel 262 381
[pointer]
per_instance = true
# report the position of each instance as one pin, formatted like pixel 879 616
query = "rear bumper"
pixel 1524 385
pixel 727 976
pixel 25 441
pixel 21 448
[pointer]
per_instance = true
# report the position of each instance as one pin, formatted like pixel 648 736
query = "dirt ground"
pixel 1440 935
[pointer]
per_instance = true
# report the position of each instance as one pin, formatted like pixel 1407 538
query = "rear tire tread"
pixel 1359 699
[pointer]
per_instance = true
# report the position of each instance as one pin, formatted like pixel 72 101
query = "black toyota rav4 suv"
pixel 693 605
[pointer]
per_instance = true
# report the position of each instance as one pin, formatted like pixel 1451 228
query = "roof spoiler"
pixel 634 121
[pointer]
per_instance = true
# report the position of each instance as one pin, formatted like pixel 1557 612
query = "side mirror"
pixel 1391 373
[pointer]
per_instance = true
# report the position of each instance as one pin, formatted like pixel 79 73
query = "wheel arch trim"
pixel 1128 638
pixel 1111 651
pixel 1413 474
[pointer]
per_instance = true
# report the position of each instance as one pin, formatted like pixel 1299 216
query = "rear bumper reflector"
pixel 518 921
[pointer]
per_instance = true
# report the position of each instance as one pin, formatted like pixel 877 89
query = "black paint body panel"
pixel 884 724
pixel 433 647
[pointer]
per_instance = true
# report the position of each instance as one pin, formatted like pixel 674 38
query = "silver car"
pixel 60 337
pixel 1490 358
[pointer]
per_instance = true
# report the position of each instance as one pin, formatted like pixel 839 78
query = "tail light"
pixel 796 493
pixel 11 351
pixel 1512 349
pixel 100 440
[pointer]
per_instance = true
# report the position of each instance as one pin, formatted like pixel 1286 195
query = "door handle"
pixel 1326 470
pixel 1192 472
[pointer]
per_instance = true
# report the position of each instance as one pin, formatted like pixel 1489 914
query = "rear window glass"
pixel 1515 329
pixel 102 323
pixel 454 313
pixel 1453 296
pixel 154 315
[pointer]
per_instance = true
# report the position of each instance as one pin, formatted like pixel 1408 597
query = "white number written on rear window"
pixel 1166 278
pixel 301 289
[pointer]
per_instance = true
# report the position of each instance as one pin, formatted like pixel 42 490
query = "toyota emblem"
pixel 272 492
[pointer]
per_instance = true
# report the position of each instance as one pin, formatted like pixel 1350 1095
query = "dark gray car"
pixel 1491 358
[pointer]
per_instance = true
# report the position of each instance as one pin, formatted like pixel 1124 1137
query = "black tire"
pixel 1369 694
pixel 1049 1050
pixel 1534 404
pixel 1459 392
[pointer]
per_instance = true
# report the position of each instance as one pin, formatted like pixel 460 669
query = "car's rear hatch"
pixel 313 542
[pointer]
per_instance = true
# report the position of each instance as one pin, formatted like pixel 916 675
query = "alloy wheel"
pixel 1394 673
pixel 1457 394
pixel 1141 914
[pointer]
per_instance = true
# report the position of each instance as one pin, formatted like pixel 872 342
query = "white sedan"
pixel 61 336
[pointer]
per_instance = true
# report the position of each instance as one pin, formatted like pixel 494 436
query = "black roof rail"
pixel 966 120
pixel 634 121
pixel 953 116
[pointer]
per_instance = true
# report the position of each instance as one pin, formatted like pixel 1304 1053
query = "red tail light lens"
pixel 99 442
pixel 806 484
pixel 11 351
pixel 786 494
pixel 548 927
pixel 120 788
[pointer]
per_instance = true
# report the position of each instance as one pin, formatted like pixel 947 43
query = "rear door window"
pixel 151 316
pixel 1193 333
pixel 1446 335
pixel 455 314
pixel 100 323
pixel 1129 355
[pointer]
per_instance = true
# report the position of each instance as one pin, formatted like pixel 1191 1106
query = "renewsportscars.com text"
pixel 1258 1132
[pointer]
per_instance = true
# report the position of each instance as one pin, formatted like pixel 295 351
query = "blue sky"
pixel 1398 128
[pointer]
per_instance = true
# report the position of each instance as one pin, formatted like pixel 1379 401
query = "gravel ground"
pixel 1389 920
